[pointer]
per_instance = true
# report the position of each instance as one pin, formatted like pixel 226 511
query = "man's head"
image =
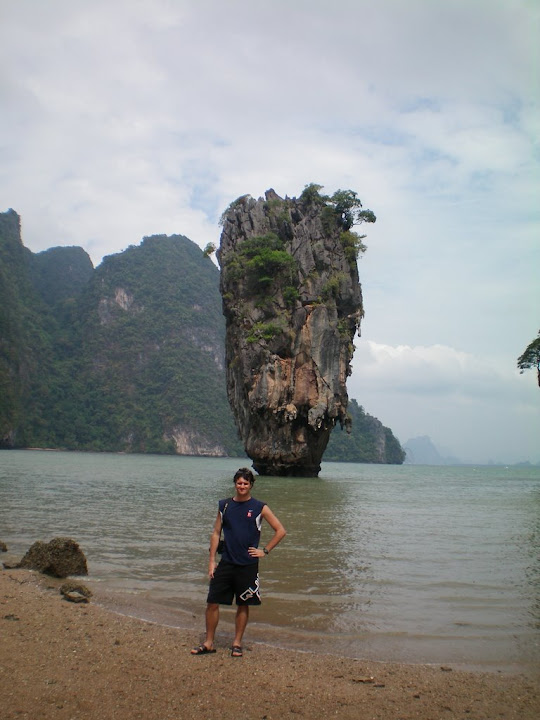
pixel 245 474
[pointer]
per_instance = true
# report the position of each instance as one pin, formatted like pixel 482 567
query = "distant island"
pixel 422 451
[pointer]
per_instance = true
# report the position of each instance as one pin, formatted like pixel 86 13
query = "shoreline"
pixel 64 660
pixel 376 647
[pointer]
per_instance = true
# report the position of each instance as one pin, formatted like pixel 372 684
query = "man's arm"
pixel 214 540
pixel 279 533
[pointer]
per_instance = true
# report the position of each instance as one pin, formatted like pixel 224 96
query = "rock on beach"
pixel 61 557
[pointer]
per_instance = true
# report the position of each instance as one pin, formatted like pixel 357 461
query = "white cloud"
pixel 435 370
pixel 475 406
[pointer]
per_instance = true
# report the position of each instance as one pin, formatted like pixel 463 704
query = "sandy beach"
pixel 66 660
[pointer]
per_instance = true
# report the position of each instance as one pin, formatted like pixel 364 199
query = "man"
pixel 237 574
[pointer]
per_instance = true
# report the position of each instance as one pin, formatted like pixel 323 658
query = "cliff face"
pixel 293 303
pixel 154 338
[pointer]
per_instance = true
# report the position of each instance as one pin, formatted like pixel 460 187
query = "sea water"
pixel 403 563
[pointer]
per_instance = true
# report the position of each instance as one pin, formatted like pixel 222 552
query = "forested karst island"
pixel 125 357
pixel 293 304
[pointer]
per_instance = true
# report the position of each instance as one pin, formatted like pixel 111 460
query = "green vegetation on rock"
pixel 345 210
pixel 265 263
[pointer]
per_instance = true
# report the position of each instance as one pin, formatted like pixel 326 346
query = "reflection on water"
pixel 410 562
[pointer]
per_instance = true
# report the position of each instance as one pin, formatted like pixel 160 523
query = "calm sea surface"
pixel 405 563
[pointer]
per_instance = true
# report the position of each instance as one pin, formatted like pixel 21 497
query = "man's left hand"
pixel 256 552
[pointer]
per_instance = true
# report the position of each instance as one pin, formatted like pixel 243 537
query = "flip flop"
pixel 236 651
pixel 202 650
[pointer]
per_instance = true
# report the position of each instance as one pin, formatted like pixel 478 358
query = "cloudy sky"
pixel 126 118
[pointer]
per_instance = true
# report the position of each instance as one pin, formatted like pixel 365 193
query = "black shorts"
pixel 231 580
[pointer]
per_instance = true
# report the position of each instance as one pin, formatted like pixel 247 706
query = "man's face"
pixel 243 487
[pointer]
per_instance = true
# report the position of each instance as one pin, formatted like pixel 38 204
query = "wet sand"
pixel 64 660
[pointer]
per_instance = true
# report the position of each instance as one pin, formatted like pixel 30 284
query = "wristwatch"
pixel 266 552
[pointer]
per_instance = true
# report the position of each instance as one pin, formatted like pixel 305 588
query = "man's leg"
pixel 212 619
pixel 242 617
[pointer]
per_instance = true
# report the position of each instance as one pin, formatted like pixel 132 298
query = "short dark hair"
pixel 246 474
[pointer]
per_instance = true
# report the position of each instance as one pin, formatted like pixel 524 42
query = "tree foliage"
pixel 345 209
pixel 531 358
pixel 348 207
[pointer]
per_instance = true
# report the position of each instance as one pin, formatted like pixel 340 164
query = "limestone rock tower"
pixel 293 304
